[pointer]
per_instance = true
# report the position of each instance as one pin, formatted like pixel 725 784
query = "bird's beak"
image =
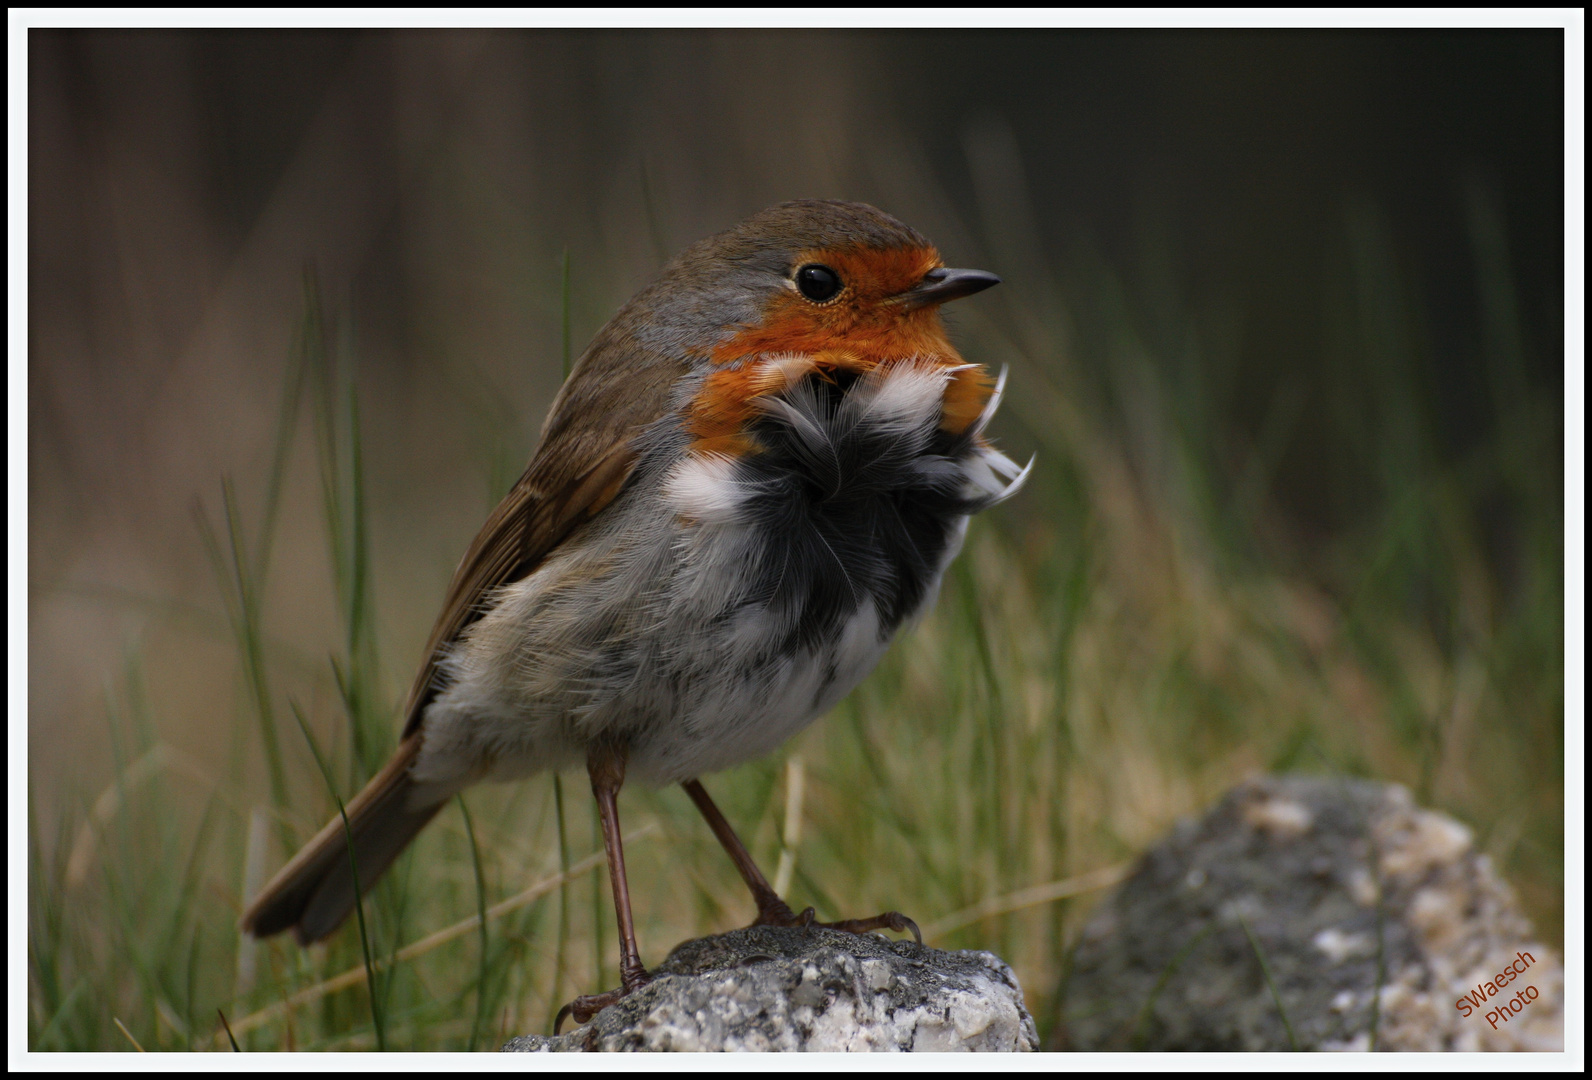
pixel 944 283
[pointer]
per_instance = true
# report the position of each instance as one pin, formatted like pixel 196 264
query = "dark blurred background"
pixel 435 179
pixel 1284 313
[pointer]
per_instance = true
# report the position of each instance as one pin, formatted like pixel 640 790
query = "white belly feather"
pixel 655 625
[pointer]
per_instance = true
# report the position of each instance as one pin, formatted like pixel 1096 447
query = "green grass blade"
pixel 228 1028
pixel 650 203
pixel 1136 1030
pixel 563 313
pixel 480 904
pixel 561 961
pixel 281 452
pixel 353 865
pixel 1271 983
pixel 598 914
pixel 1375 1026
pixel 244 615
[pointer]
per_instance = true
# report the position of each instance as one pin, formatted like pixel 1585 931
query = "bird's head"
pixel 805 288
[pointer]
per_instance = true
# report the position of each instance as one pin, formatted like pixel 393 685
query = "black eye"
pixel 817 282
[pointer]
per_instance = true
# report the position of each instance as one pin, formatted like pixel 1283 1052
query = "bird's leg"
pixel 606 765
pixel 771 909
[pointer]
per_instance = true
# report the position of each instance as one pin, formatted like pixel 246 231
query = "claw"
pixel 563 1014
pixel 890 920
pixel 583 1008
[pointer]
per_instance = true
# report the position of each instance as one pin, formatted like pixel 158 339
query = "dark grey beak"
pixel 944 283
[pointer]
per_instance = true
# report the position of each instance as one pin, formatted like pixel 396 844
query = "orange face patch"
pixel 858 330
pixel 860 320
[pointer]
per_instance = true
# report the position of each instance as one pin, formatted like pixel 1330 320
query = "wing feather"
pixel 585 455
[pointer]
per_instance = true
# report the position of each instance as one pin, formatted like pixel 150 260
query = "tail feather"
pixel 314 892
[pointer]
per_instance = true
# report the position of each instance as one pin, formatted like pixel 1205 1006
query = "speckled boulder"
pixel 768 988
pixel 1317 913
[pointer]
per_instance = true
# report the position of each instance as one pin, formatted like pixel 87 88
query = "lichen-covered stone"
pixel 771 988
pixel 1371 915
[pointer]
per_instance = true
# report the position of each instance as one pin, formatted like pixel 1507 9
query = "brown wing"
pixel 585 455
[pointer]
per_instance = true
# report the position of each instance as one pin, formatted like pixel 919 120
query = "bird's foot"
pixel 889 920
pixel 583 1008
pixel 778 913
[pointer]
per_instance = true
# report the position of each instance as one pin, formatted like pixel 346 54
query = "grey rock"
pixel 770 988
pixel 1371 914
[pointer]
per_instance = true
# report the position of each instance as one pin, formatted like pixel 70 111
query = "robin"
pixel 754 476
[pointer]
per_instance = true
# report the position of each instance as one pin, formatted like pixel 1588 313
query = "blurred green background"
pixel 1284 318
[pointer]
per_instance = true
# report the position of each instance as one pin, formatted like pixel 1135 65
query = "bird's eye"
pixel 817 282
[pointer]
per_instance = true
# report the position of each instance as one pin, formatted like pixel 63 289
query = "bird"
pixel 752 479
